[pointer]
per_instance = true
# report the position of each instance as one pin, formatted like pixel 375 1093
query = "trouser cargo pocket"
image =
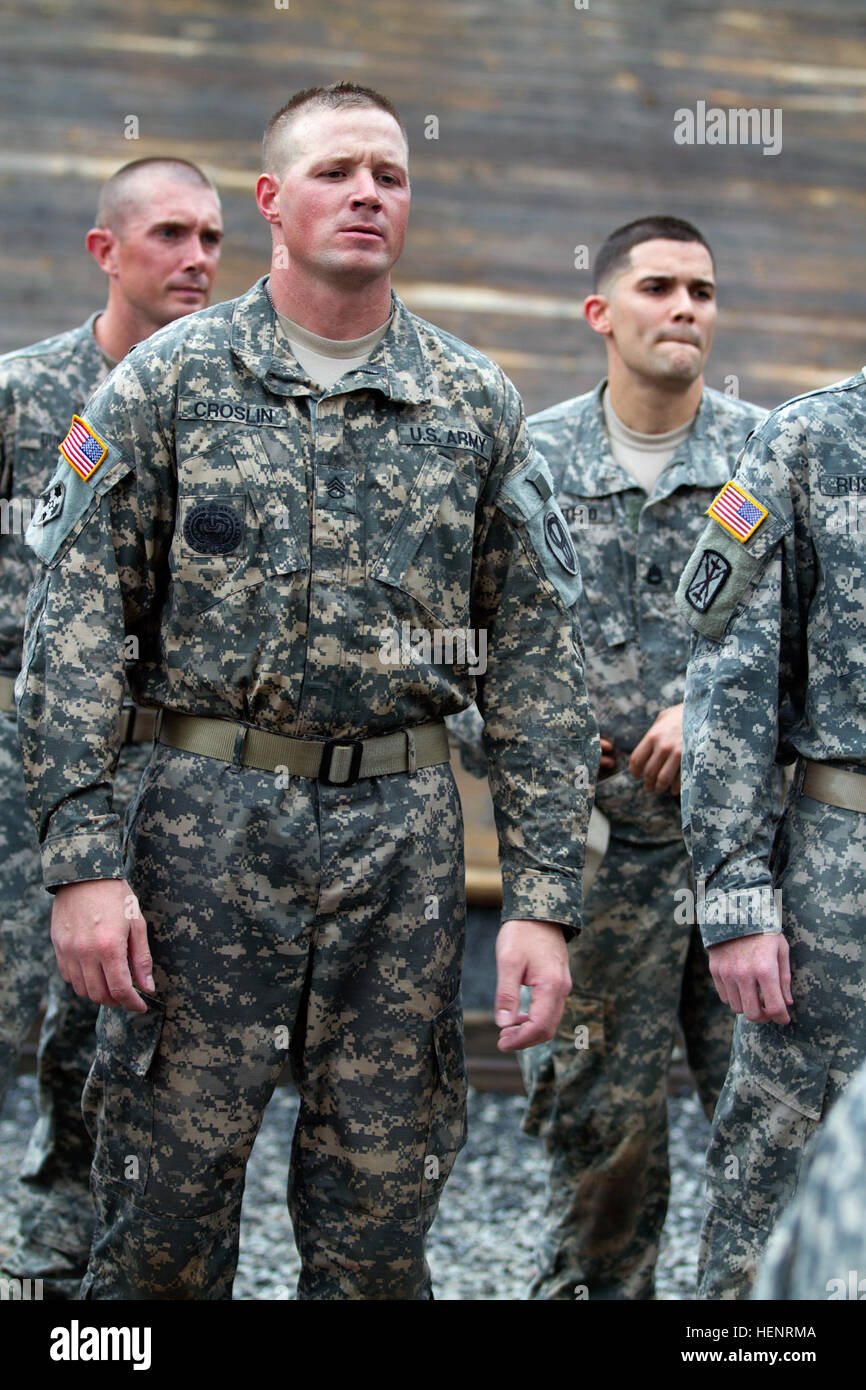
pixel 447 1132
pixel 770 1107
pixel 118 1098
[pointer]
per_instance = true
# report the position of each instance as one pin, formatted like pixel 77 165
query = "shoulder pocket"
pixel 66 505
pixel 527 499
pixel 720 571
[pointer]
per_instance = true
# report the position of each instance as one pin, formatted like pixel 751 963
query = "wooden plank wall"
pixel 555 125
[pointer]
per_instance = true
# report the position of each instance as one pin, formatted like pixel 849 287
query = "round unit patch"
pixel 559 542
pixel 213 528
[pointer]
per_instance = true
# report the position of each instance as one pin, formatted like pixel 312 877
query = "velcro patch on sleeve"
pixel 528 499
pixel 67 504
pixel 732 551
pixel 718 575
pixel 82 448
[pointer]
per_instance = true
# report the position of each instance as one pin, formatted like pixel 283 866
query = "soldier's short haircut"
pixel 615 253
pixel 118 193
pixel 275 143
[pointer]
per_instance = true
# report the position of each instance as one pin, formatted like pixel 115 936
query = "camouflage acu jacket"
pixel 39 388
pixel 632 551
pixel 776 590
pixel 292 563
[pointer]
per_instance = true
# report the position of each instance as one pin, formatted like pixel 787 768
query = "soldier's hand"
pixel 753 976
pixel 99 936
pixel 658 756
pixel 533 954
pixel 607 763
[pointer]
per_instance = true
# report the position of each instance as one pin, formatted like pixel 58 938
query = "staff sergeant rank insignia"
pixel 712 572
pixel 739 513
pixel 82 448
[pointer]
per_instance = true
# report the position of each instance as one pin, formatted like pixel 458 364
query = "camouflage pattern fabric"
pixel 310 936
pixel 26 953
pixel 818 1249
pixel 39 387
pixel 776 673
pixel 597 1091
pixel 275 556
pixel 54 1206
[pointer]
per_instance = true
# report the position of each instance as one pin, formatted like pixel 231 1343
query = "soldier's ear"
pixel 596 309
pixel 268 197
pixel 101 243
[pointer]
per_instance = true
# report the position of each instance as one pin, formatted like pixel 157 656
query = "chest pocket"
pixel 428 554
pixel 606 601
pixel 235 527
pixel 35 463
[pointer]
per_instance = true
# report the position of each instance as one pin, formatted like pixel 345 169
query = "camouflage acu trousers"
pixel 26 953
pixel 320 924
pixel 784 1078
pixel 54 1207
pixel 598 1091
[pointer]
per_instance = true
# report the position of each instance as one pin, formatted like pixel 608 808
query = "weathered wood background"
pixel 555 124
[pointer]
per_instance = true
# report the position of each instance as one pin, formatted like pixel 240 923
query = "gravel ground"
pixel 481 1245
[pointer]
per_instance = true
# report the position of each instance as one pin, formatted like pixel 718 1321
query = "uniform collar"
pixel 398 366
pixel 702 460
pixel 87 338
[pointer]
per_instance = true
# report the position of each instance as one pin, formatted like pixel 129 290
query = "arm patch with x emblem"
pixel 722 568
pixel 710 576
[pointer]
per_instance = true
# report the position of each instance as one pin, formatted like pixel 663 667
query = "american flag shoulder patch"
pixel 82 448
pixel 739 513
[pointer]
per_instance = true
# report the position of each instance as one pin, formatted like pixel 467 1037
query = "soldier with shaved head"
pixel 157 238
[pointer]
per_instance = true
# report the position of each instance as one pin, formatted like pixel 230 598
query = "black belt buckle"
pixel 357 748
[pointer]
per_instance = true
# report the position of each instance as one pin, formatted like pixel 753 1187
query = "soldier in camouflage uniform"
pixel 296 843
pixel 818 1249
pixel 775 592
pixel 597 1091
pixel 158 267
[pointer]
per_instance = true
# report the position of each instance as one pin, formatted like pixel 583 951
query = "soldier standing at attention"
pixel 633 462
pixel 157 238
pixel 776 593
pixel 271 489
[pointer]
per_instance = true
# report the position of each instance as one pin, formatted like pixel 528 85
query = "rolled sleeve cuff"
pixel 536 897
pixel 728 914
pixel 82 855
